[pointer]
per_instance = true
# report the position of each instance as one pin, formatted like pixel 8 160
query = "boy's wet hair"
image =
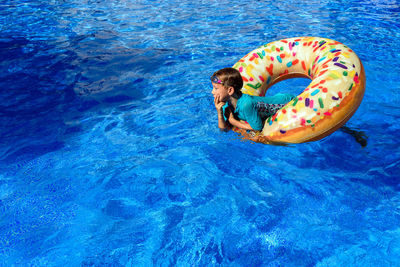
pixel 231 77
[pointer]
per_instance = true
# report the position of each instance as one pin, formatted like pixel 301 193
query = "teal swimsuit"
pixel 255 109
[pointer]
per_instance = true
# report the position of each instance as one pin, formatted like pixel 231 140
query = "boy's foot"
pixel 360 136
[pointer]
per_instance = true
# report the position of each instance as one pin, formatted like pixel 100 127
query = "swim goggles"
pixel 215 79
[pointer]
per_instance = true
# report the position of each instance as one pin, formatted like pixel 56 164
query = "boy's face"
pixel 220 92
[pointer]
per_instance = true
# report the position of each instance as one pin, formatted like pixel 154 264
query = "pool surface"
pixel 110 154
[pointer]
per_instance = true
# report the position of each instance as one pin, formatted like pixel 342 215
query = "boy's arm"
pixel 222 124
pixel 239 124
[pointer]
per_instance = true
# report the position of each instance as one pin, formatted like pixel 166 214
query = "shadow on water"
pixel 45 83
pixel 35 88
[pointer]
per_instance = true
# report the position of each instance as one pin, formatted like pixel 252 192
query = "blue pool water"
pixel 110 153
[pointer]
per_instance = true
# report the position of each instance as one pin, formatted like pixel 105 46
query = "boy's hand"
pixel 218 104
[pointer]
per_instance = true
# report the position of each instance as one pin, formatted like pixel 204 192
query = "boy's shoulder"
pixel 245 98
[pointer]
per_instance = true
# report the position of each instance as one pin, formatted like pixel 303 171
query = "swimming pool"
pixel 110 152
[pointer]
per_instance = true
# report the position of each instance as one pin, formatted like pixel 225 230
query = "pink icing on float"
pixel 334 94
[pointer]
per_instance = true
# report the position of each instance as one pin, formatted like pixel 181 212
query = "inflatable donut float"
pixel 334 94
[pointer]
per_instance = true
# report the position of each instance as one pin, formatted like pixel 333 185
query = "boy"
pixel 233 106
